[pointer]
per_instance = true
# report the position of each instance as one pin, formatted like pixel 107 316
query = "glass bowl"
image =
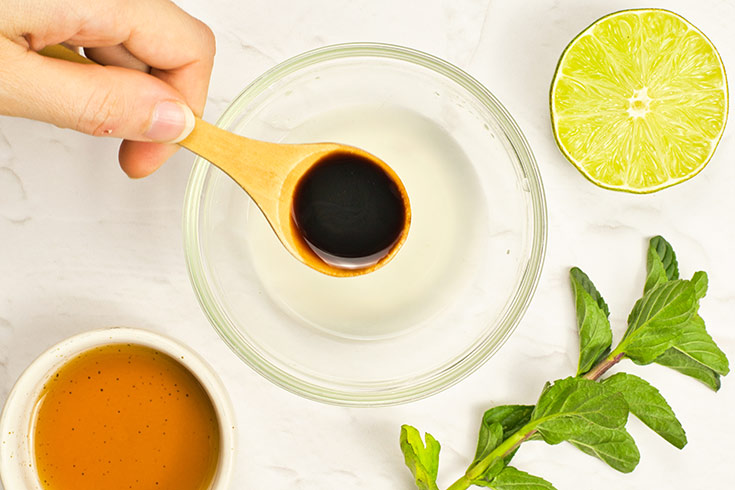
pixel 454 292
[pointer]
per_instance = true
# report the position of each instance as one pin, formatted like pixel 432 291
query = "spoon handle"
pixel 61 52
pixel 257 166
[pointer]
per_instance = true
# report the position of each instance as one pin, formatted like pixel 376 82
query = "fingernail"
pixel 172 122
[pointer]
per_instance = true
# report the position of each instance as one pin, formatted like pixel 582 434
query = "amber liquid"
pixel 349 211
pixel 121 417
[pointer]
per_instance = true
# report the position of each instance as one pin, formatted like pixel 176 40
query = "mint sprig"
pixel 586 410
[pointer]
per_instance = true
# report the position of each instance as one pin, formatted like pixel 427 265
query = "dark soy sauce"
pixel 349 211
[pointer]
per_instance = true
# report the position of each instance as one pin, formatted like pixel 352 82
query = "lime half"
pixel 639 101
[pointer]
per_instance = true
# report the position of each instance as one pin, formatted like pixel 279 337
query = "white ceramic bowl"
pixel 17 463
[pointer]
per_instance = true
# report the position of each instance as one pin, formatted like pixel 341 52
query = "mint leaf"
pixel 700 281
pixel 579 278
pixel 423 461
pixel 589 415
pixel 573 405
pixel 613 446
pixel 492 471
pixel 595 335
pixel 513 479
pixel 491 435
pixel 685 364
pixel 656 271
pixel 661 263
pixel 655 322
pixel 646 403
pixel 498 424
pixel 696 354
pixel 697 344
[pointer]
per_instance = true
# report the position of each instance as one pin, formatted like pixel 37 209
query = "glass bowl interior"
pixel 453 293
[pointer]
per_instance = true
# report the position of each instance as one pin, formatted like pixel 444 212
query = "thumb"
pixel 93 99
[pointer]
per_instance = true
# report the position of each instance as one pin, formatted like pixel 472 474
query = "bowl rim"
pixel 17 415
pixel 390 392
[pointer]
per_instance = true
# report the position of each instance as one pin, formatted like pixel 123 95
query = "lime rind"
pixel 639 101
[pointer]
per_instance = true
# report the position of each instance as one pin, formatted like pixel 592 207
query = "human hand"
pixel 158 63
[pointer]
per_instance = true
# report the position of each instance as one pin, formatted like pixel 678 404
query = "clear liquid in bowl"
pixel 448 215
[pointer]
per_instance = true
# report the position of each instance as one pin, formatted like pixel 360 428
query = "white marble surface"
pixel 84 247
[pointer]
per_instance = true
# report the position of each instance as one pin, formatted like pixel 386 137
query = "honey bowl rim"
pixel 17 462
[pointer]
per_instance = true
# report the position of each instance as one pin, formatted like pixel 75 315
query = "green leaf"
pixel 661 263
pixel 582 280
pixel 696 343
pixel 589 415
pixel 423 461
pixel 493 470
pixel 695 354
pixel 498 424
pixel 513 479
pixel 656 271
pixel 700 283
pixel 613 446
pixel 654 324
pixel 595 335
pixel 572 405
pixel 646 403
pixel 491 435
pixel 681 362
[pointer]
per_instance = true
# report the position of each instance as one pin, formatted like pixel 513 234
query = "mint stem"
pixel 508 446
pixel 602 367
pixel 511 444
pixel 460 484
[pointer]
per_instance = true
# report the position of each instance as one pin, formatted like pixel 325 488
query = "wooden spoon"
pixel 269 173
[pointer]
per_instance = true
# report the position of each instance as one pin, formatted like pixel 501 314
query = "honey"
pixel 125 416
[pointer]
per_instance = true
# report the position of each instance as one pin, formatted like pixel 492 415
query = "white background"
pixel 82 247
